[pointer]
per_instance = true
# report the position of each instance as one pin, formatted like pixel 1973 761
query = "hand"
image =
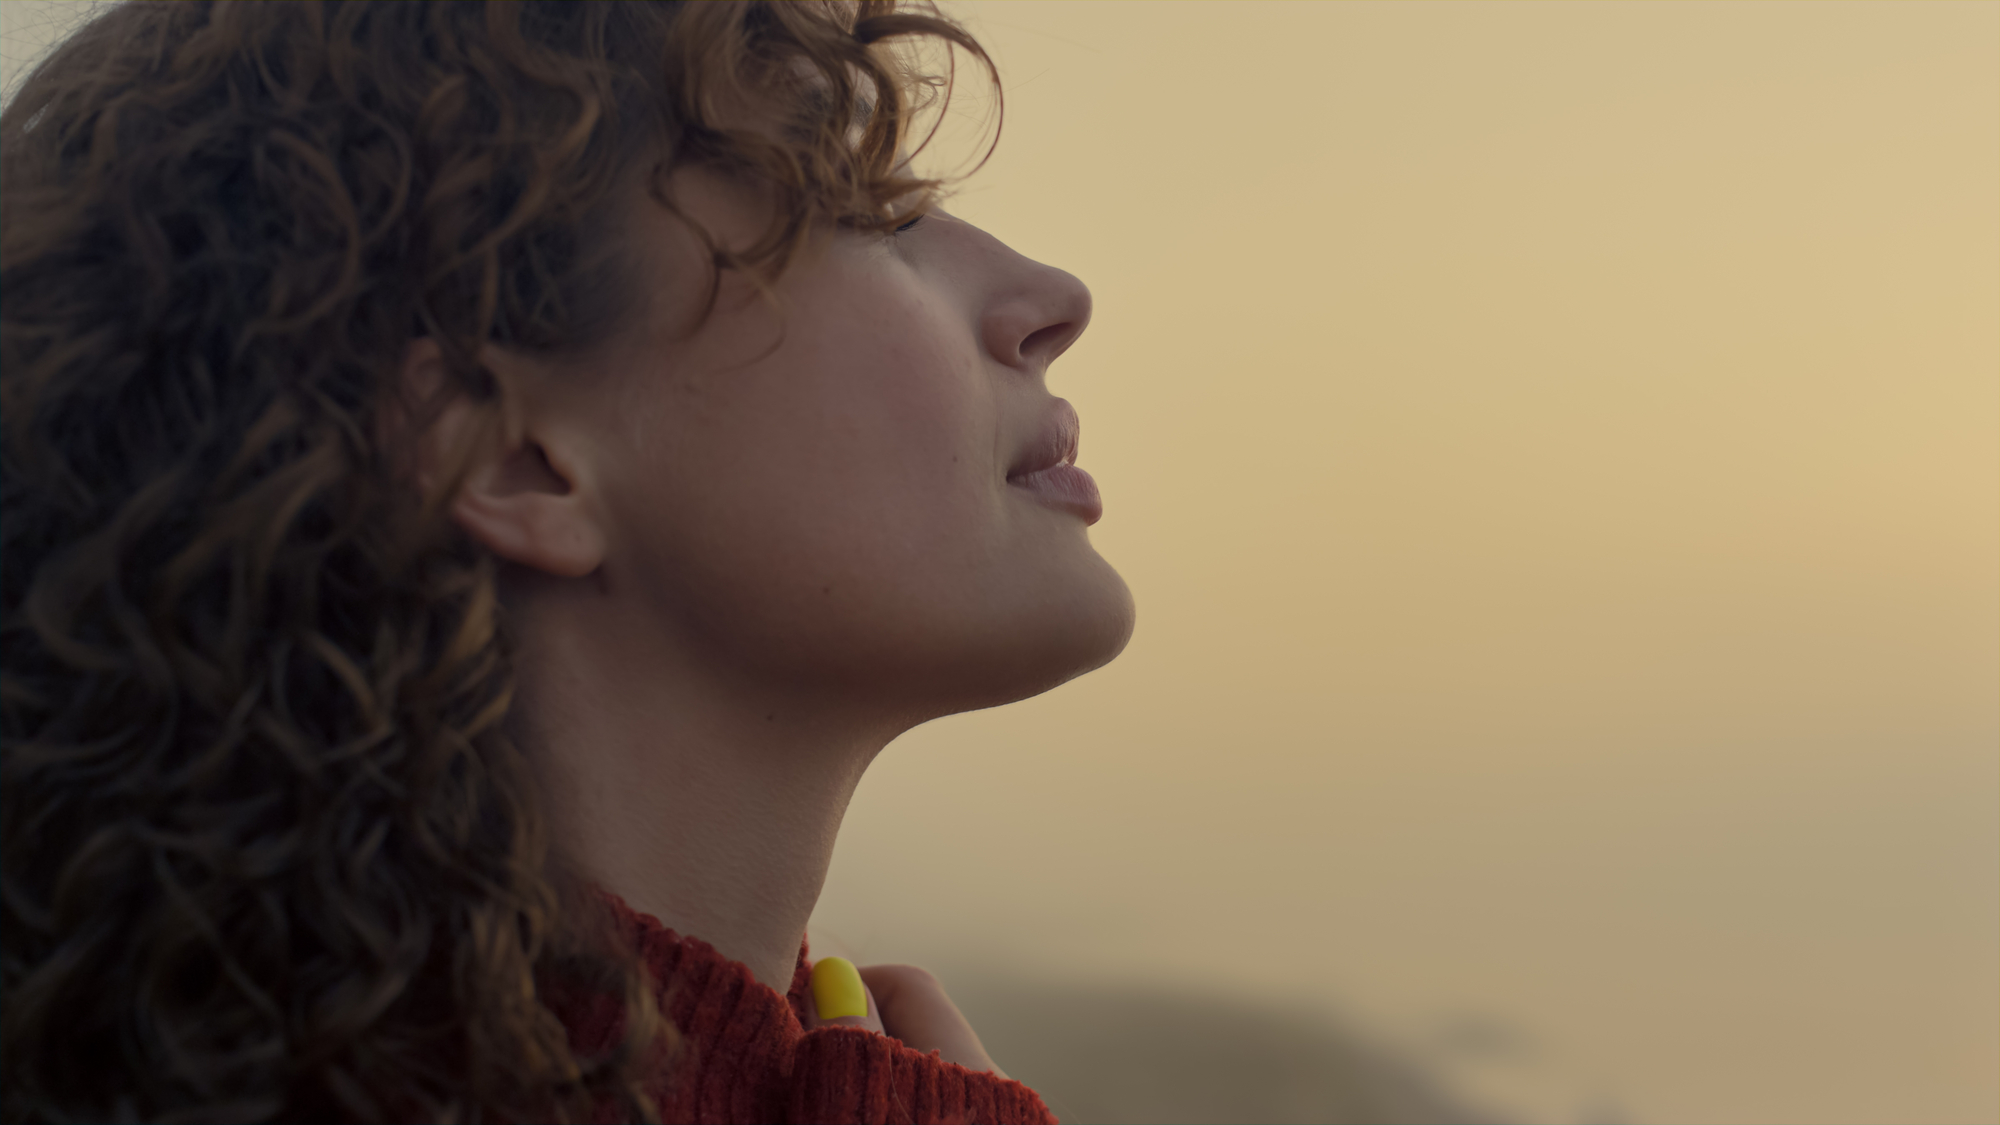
pixel 905 1002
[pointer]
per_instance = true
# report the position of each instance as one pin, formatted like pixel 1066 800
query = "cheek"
pixel 882 458
pixel 806 512
pixel 835 512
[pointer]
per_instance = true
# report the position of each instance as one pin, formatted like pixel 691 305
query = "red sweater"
pixel 747 1056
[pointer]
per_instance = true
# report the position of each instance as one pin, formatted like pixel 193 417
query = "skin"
pixel 911 1004
pixel 742 554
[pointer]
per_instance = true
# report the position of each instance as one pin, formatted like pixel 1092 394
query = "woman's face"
pixel 859 486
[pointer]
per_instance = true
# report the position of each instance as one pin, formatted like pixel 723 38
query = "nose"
pixel 1035 318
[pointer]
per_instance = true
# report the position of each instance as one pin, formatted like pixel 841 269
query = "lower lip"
pixel 1066 487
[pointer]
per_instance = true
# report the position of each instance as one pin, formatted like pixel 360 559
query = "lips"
pixel 1048 472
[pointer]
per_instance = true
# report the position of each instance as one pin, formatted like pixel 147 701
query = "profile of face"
pixel 855 487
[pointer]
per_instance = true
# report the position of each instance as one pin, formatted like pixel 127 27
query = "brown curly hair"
pixel 269 852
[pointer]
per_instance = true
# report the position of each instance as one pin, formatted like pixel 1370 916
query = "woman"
pixel 482 482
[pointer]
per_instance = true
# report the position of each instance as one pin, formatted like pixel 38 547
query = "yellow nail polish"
pixel 837 989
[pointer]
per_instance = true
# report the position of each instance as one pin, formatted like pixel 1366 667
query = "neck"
pixel 710 804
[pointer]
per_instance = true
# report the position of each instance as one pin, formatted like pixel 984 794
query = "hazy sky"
pixel 1553 449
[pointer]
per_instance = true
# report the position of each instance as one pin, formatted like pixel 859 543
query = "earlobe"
pixel 519 497
pixel 522 502
pixel 537 527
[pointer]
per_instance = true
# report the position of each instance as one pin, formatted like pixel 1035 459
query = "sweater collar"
pixel 746 1055
pixel 738 1034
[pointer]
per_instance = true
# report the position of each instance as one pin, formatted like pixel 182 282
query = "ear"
pixel 520 496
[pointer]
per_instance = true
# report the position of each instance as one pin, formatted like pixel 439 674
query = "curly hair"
pixel 269 851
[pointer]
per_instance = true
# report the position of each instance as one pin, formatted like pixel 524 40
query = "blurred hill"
pixel 1112 1055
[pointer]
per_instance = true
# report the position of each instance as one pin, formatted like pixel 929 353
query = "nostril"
pixel 1045 344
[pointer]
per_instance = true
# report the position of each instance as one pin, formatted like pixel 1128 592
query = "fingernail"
pixel 837 989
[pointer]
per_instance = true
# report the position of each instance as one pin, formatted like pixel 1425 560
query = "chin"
pixel 1101 634
pixel 1060 639
pixel 913 652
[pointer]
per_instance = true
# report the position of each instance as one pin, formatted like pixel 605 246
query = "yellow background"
pixel 1553 449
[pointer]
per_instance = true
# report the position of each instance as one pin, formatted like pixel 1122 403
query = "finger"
pixel 840 997
pixel 916 1010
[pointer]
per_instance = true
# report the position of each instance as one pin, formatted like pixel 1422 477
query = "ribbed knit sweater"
pixel 747 1056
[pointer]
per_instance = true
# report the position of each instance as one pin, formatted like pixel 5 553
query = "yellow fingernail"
pixel 837 989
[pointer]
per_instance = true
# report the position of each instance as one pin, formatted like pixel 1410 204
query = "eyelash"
pixel 908 225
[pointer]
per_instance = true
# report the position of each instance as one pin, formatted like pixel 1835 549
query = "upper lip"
pixel 1054 445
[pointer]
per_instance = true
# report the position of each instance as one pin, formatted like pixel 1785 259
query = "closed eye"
pixel 908 225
